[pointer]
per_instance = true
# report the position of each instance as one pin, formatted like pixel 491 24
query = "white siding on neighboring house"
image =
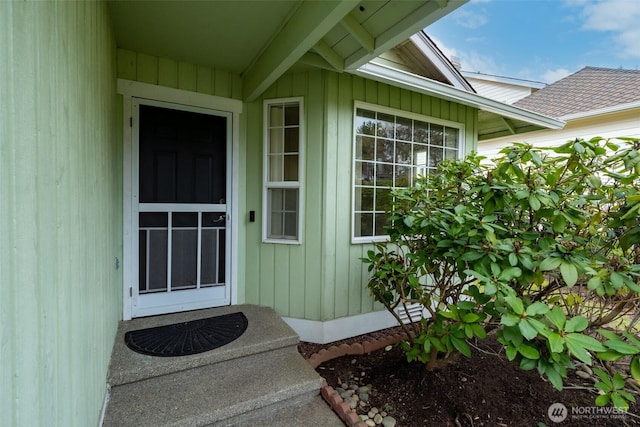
pixel 500 91
pixel 624 124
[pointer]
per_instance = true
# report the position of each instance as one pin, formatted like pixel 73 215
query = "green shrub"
pixel 541 245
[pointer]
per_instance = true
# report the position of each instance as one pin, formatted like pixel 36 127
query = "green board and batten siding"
pixel 60 211
pixel 323 278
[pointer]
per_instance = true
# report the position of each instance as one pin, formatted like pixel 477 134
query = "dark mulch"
pixel 485 390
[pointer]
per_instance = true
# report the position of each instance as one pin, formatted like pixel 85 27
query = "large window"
pixel 283 150
pixel 392 148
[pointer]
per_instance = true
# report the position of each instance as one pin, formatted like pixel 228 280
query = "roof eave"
pixel 420 84
pixel 602 111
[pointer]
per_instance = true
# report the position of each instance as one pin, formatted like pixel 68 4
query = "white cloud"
pixel 551 76
pixel 469 60
pixel 471 20
pixel 619 17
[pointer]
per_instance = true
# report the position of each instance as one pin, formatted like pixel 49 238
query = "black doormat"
pixel 185 338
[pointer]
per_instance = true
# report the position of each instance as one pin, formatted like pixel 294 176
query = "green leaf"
pixel 594 283
pixel 527 364
pixel 437 343
pixel 550 263
pixel 569 273
pixel 534 202
pixel 515 303
pixel 554 378
pixel 559 224
pixel 609 356
pixel 577 350
pixel 576 324
pixel 602 400
pixel 619 402
pixel 537 308
pixel 490 289
pixel 556 316
pixel 408 221
pixel 621 347
pixel 616 280
pixel 586 341
pixel 634 368
pixel 513 259
pixel 511 352
pixel 529 352
pixel 478 331
pixel 618 381
pixel 509 273
pixel 470 318
pixel 509 319
pixel 461 345
pixel 556 342
pixel 528 331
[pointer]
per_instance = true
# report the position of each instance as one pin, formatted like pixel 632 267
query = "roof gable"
pixel 590 89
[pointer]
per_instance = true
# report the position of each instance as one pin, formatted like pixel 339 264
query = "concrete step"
pixel 265 331
pixel 223 394
pixel 258 378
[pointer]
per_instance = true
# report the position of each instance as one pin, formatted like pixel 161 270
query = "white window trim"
pixel 266 184
pixel 395 112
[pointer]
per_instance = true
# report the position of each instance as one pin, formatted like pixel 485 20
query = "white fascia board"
pixel 413 82
pixel 422 42
pixel 602 111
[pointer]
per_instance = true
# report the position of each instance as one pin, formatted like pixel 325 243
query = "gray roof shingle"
pixel 589 89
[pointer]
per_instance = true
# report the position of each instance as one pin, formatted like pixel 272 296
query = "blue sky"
pixel 541 40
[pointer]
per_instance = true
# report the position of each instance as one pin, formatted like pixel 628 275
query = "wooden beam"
pixel 421 17
pixel 311 21
pixel 315 60
pixel 512 128
pixel 358 32
pixel 323 49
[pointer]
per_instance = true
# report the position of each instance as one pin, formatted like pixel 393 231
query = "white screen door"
pixel 181 209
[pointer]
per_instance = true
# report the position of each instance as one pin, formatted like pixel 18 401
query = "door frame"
pixel 183 100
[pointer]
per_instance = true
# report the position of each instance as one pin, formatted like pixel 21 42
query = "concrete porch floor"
pixel 258 379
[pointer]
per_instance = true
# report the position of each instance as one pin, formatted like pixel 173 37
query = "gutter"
pixel 602 111
pixel 413 82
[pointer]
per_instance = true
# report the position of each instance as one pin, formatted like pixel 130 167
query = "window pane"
pixel 363 224
pixel 437 134
pixel 364 173
pixel 381 222
pixel 276 225
pixel 290 199
pixel 365 122
pixel 291 225
pixel 384 150
pixel 419 155
pixel 291 136
pixel 435 156
pixel 276 199
pixel 403 153
pixel 292 114
pixel 384 175
pixel 291 167
pixel 421 133
pixel 451 154
pixel 383 200
pixel 364 198
pixel 276 143
pixel 184 248
pixel 276 116
pixel 451 137
pixel 385 125
pixel 365 148
pixel 403 176
pixel 403 128
pixel 275 168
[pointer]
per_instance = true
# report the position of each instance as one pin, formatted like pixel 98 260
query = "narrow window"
pixel 391 149
pixel 283 151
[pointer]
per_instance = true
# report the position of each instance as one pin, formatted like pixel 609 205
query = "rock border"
pixel 329 394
